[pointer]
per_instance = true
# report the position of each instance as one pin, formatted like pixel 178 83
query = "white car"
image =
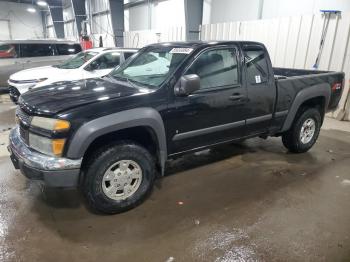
pixel 91 63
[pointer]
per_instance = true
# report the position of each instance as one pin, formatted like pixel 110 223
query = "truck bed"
pixel 290 81
pixel 283 73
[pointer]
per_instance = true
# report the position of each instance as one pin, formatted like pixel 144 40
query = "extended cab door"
pixel 261 88
pixel 215 113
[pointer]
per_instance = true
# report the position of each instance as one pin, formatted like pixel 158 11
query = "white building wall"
pixel 218 11
pixel 136 18
pixel 23 25
pixel 70 28
pixel 157 15
pixel 278 8
pixel 50 29
pixel 101 24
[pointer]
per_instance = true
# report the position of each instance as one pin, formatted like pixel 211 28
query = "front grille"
pixel 14 94
pixel 24 122
pixel 23 117
pixel 24 135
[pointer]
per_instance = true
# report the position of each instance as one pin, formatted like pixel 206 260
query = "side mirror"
pixel 187 84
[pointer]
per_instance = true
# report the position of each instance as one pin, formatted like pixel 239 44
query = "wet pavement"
pixel 244 202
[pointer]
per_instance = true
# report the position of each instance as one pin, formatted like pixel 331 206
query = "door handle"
pixel 236 97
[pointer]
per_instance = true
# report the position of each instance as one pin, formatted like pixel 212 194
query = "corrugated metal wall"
pixel 50 29
pixel 70 28
pixel 101 23
pixel 294 42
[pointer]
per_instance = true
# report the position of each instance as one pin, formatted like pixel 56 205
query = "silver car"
pixel 16 55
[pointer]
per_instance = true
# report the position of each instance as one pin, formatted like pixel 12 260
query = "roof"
pixel 195 44
pixel 38 41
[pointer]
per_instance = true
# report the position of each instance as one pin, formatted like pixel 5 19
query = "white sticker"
pixel 257 79
pixel 179 50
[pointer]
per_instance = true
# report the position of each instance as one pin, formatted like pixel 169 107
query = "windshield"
pixel 77 61
pixel 152 65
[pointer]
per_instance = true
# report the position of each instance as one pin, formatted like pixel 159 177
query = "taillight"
pixel 336 86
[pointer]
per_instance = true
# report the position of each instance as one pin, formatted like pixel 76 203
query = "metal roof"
pixel 37 41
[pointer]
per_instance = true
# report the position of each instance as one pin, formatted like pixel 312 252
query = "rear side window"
pixel 216 68
pixel 67 49
pixel 9 51
pixel 256 64
pixel 35 50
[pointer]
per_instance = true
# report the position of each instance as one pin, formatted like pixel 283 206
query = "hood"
pixel 58 97
pixel 38 72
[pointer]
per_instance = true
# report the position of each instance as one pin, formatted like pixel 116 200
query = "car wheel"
pixel 118 178
pixel 304 131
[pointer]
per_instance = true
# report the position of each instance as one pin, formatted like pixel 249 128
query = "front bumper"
pixel 54 171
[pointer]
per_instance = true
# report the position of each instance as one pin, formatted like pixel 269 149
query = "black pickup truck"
pixel 112 136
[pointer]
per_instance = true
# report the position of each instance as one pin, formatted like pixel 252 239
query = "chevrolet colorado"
pixel 111 136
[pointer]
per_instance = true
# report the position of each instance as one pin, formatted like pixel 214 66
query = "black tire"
pixel 291 139
pixel 98 164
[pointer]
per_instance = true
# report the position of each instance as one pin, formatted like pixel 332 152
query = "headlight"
pixel 50 123
pixel 53 147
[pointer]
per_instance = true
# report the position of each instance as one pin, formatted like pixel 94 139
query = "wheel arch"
pixel 117 125
pixel 313 96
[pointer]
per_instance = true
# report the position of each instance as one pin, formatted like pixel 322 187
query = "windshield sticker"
pixel 181 50
pixel 258 79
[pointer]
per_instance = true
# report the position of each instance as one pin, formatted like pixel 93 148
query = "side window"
pixel 9 51
pixel 67 49
pixel 216 68
pixel 34 50
pixel 127 55
pixel 106 61
pixel 256 64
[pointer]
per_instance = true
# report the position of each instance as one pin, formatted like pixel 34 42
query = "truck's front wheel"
pixel 118 178
pixel 304 131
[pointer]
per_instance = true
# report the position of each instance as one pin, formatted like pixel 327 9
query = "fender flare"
pixel 144 116
pixel 319 90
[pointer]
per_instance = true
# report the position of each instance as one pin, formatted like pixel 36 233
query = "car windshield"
pixel 77 61
pixel 152 65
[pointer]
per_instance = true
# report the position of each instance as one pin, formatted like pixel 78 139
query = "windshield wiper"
pixel 130 82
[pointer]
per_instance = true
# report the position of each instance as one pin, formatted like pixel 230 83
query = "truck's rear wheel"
pixel 118 178
pixel 304 131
